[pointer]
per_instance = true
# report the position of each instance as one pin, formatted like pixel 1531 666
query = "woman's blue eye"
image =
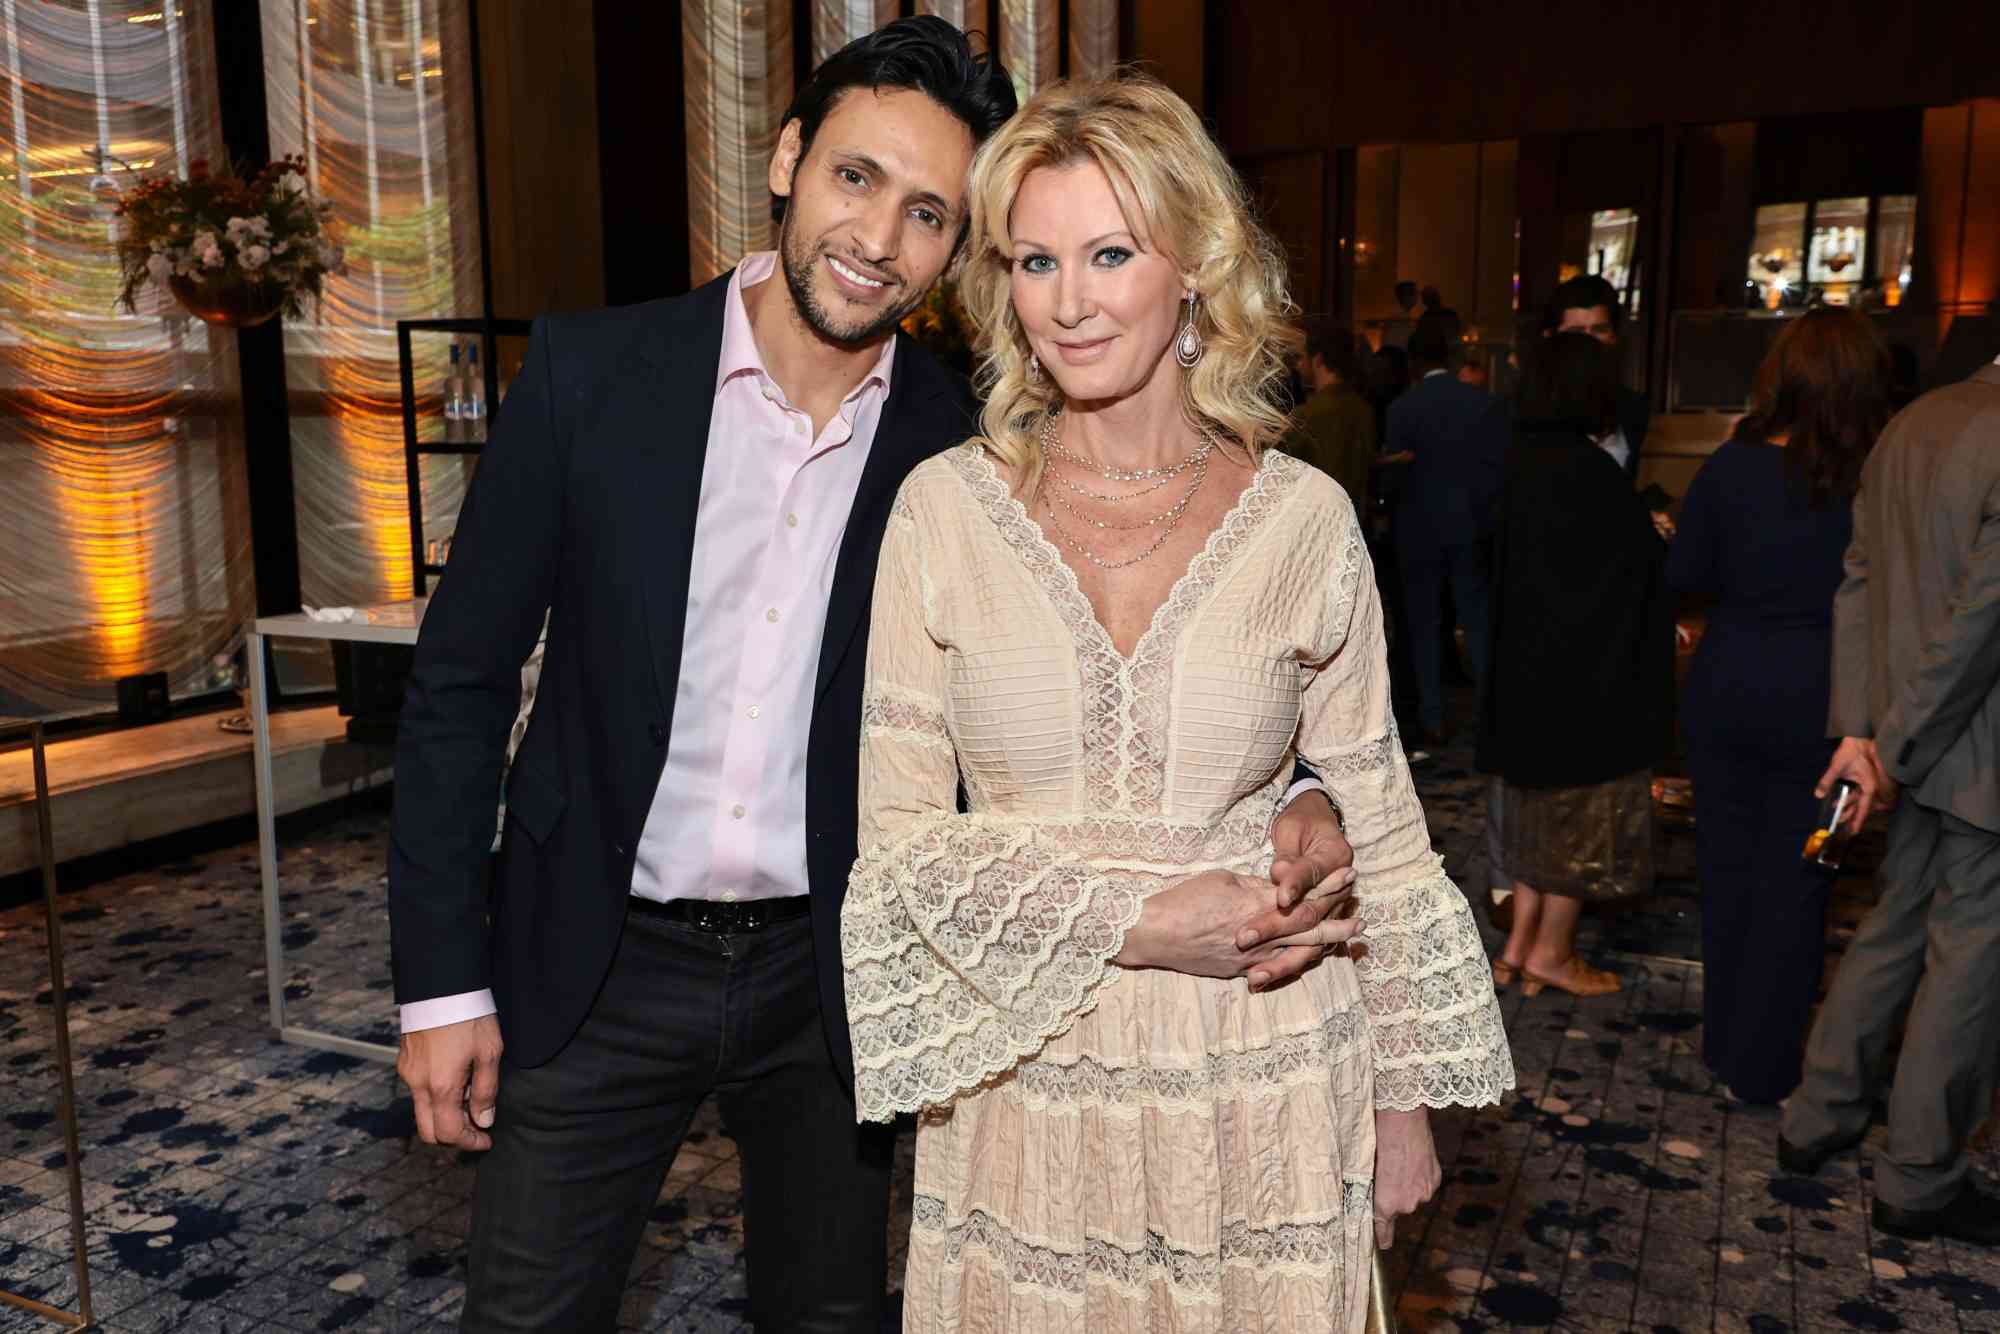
pixel 1038 264
pixel 1113 255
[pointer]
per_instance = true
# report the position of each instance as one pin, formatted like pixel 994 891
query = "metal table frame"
pixel 388 623
pixel 81 1318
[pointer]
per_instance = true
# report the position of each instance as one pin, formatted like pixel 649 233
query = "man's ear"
pixel 785 162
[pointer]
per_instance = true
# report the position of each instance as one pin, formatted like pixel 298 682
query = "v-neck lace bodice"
pixel 1124 697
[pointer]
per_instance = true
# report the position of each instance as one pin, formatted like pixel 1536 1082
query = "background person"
pixel 1762 532
pixel 1579 701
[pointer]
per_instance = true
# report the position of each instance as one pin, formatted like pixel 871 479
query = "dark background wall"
pixel 1286 75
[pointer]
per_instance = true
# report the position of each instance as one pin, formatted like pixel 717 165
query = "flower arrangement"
pixel 233 251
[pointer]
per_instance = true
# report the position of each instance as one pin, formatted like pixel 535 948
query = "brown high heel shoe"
pixel 1577 978
pixel 1504 974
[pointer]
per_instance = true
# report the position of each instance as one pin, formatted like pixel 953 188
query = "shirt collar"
pixel 739 345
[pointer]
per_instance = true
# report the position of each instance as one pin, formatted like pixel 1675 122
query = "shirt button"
pixel 755 711
pixel 791 521
pixel 799 427
pixel 737 812
pixel 729 896
pixel 772 615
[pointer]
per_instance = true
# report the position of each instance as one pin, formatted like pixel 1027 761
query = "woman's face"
pixel 1099 312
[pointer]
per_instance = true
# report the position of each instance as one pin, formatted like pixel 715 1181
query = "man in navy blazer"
pixel 1588 304
pixel 695 493
pixel 1453 438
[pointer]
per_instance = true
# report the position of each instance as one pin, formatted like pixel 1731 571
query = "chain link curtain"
pixel 376 95
pixel 124 526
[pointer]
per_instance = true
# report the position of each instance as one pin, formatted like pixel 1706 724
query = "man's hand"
pixel 1308 848
pixel 1406 1169
pixel 1857 762
pixel 454 1078
pixel 1195 927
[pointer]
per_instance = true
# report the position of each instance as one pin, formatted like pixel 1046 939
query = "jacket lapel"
pixel 917 422
pixel 672 368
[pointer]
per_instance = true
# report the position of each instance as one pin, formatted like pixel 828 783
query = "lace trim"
pixel 888 711
pixel 967 945
pixel 1316 1247
pixel 1125 703
pixel 1370 757
pixel 1435 1022
pixel 1292 1058
pixel 1353 557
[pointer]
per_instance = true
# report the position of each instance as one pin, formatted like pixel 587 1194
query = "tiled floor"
pixel 234 1183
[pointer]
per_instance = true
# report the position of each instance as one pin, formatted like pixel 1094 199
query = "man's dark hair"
pixel 1433 299
pixel 1581 293
pixel 1332 344
pixel 1432 343
pixel 924 54
pixel 1571 380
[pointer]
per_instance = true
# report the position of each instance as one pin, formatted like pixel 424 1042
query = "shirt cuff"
pixel 1300 788
pixel 442 1010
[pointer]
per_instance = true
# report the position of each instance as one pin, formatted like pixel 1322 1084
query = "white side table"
pixel 386 623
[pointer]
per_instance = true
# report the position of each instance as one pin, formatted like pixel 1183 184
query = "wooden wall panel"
pixel 1170 41
pixel 1979 267
pixel 1941 204
pixel 538 83
pixel 539 106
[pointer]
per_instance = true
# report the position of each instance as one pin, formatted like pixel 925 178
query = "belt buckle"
pixel 704 915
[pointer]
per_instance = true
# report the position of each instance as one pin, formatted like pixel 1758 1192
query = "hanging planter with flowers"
pixel 232 251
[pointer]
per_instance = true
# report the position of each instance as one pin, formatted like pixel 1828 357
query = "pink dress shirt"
pixel 728 817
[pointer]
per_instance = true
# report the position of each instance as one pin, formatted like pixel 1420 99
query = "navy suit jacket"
pixel 1459 436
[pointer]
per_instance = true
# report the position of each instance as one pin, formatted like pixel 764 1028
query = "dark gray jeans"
pixel 1932 942
pixel 583 1143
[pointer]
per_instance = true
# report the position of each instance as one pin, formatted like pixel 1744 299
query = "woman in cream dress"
pixel 1115 619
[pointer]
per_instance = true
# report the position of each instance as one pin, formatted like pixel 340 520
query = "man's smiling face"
pixel 874 210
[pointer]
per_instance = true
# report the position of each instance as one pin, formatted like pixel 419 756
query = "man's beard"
pixel 800 262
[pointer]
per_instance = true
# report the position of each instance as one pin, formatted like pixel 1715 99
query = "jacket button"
pixel 658 732
pixel 618 848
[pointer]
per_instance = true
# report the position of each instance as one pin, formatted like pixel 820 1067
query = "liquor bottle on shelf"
pixel 474 411
pixel 454 399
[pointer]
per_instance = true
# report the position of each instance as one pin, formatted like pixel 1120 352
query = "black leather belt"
pixel 724 919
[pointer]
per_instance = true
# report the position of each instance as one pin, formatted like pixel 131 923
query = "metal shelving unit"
pixel 488 332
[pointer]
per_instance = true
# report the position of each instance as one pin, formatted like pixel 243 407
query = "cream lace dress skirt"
pixel 1188 1157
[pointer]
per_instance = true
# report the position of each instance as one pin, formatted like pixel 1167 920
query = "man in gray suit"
pixel 1916 703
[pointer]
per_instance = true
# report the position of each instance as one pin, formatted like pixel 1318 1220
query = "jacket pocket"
pixel 534 803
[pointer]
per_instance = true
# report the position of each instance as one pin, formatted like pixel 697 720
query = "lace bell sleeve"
pixel 967 941
pixel 1424 976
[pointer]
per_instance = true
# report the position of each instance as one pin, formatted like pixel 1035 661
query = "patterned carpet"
pixel 236 1183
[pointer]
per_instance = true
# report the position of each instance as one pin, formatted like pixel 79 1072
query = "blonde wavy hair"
pixel 1180 198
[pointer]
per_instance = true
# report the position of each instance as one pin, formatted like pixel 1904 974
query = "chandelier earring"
pixel 1034 369
pixel 1188 348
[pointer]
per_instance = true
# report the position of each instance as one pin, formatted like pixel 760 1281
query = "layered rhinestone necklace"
pixel 1196 462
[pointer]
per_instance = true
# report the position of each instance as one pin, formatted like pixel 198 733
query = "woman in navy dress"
pixel 1762 533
